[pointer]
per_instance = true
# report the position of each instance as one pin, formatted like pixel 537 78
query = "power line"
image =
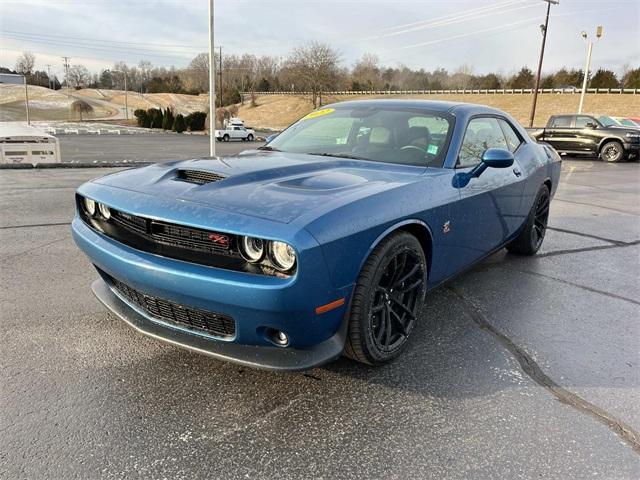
pixel 97 40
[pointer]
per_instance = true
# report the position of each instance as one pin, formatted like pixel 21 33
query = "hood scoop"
pixel 199 177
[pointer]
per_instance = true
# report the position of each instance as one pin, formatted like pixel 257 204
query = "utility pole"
pixel 26 98
pixel 544 41
pixel 66 78
pixel 585 80
pixel 49 74
pixel 126 99
pixel 66 72
pixel 212 87
pixel 220 86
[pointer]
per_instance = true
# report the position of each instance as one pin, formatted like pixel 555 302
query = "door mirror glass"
pixel 497 158
pixel 591 125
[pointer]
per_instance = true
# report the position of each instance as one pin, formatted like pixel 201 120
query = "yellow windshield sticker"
pixel 319 113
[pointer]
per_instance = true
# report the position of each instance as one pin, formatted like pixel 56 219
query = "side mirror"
pixel 271 137
pixel 591 125
pixel 492 157
pixel 497 158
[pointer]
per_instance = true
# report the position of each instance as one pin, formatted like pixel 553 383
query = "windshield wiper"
pixel 268 148
pixel 339 155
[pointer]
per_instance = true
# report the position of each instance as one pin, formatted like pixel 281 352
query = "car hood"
pixel 272 185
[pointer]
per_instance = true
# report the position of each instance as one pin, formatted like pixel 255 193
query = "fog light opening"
pixel 279 338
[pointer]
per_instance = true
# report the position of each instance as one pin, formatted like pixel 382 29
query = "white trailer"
pixel 20 143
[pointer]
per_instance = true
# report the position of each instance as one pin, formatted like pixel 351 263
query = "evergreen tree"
pixel 167 119
pixel 179 124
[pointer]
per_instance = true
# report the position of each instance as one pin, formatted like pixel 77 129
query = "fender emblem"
pixel 219 239
pixel 446 228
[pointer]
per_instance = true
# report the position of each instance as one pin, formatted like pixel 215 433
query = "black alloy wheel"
pixel 529 241
pixel 541 218
pixel 388 296
pixel 612 152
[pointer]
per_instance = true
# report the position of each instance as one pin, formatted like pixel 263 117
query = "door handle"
pixel 517 172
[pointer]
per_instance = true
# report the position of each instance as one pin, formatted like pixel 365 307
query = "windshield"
pixel 407 136
pixel 607 121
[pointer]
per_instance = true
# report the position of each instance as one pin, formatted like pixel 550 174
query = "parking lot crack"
pixel 585 249
pixel 596 206
pixel 587 235
pixel 577 285
pixel 530 367
pixel 34 225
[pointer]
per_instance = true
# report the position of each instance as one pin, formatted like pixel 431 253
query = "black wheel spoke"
pixel 406 309
pixel 402 324
pixel 415 268
pixel 409 288
pixel 387 320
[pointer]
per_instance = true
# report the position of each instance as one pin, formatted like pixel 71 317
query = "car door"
pixel 237 132
pixel 489 209
pixel 559 133
pixel 586 137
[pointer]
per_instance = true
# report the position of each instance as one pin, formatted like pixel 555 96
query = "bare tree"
pixel 314 67
pixel 79 76
pixel 26 63
pixel 80 106
pixel 366 73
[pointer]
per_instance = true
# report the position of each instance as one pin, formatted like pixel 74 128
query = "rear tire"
pixel 530 239
pixel 612 152
pixel 225 138
pixel 387 297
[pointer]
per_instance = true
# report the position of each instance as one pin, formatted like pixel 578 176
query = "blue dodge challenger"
pixel 324 241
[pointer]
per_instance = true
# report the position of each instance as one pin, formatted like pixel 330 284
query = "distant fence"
pixel 564 91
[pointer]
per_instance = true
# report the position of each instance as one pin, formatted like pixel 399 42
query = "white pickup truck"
pixel 235 132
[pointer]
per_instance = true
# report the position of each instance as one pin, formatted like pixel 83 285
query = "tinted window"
pixel 481 134
pixel 561 122
pixel 581 121
pixel 607 121
pixel 513 139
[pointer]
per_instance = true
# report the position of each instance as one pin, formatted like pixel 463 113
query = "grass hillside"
pixel 278 111
pixel 46 104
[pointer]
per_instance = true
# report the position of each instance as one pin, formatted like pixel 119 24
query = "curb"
pixel 29 166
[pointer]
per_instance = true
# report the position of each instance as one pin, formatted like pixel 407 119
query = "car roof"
pixel 433 105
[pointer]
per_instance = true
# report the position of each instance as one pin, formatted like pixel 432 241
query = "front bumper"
pixel 267 358
pixel 256 303
pixel 632 149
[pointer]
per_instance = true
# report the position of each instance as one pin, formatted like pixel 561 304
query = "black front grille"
pixel 209 322
pixel 198 176
pixel 191 238
pixel 131 222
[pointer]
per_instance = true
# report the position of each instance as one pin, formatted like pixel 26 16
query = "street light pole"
pixel 588 65
pixel 212 87
pixel 544 41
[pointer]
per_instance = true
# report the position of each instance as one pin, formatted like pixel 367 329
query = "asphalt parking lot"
pixel 156 147
pixel 521 368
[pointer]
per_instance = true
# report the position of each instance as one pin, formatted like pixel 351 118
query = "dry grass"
pixel 278 111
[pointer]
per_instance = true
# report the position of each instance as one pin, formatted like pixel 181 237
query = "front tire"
pixel 250 138
pixel 612 152
pixel 530 239
pixel 387 297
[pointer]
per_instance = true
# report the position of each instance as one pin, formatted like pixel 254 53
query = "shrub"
pixel 142 117
pixel 80 106
pixel 179 124
pixel 196 121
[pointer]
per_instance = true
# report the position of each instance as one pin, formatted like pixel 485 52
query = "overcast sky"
pixel 488 35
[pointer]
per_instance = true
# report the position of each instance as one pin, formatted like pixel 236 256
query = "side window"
pixel 581 121
pixel 482 133
pixel 513 139
pixel 561 122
